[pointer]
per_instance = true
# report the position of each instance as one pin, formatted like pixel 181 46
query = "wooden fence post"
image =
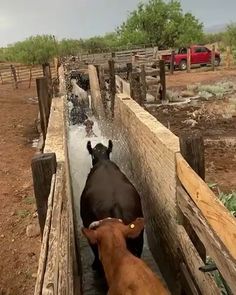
pixel 129 70
pixel 43 167
pixel 30 76
pixel 192 149
pixel 172 62
pixel 47 73
pixel 44 103
pixel 213 57
pixel 100 72
pixel 162 79
pixel 143 83
pixel 112 85
pixel 14 75
pixel 1 78
pixel 135 88
pixel 188 60
pixel 228 58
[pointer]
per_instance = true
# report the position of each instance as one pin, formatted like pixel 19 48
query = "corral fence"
pixel 186 222
pixel 140 55
pixel 15 74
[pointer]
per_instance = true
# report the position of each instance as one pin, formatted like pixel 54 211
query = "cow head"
pixel 107 228
pixel 100 152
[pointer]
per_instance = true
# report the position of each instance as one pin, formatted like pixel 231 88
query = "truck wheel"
pixel 183 65
pixel 217 62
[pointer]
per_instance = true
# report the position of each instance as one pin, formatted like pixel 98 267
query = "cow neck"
pixel 111 251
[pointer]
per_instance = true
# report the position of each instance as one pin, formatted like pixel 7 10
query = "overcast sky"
pixel 84 18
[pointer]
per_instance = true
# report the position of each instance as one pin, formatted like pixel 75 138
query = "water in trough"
pixel 80 165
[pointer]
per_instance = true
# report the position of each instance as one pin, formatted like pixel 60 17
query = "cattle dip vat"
pixel 149 154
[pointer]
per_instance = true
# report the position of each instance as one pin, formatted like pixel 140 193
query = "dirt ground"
pixel 218 130
pixel 19 253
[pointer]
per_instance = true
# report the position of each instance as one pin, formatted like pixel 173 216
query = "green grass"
pixel 229 201
pixel 23 213
pixel 29 200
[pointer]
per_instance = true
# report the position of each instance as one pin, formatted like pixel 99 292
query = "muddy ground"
pixel 19 253
pixel 216 121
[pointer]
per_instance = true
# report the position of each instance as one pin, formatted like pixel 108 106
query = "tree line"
pixel 156 23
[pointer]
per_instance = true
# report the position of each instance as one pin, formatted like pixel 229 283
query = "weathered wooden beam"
pixel 100 71
pixel 162 79
pixel 143 83
pixel 217 216
pixel 188 60
pixel 14 75
pixel 43 167
pixel 45 241
pixel 172 62
pixel 204 281
pixel 129 70
pixel 112 85
pixel 213 57
pixel 135 87
pixel 47 73
pixel 192 149
pixel 215 249
pixel 187 281
pixel 44 105
pixel 51 283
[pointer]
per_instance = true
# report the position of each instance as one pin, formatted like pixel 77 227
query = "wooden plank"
pixel 213 57
pixel 47 73
pixel 162 79
pixel 188 60
pixel 192 149
pixel 215 249
pixel 50 284
pixel 112 84
pixel 44 246
pixel 43 104
pixel 187 281
pixel 218 217
pixel 204 281
pixel 63 252
pixel 43 167
pixel 143 83
pixel 172 62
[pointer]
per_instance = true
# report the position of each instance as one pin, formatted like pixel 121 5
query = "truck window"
pixel 198 50
pixel 183 51
pixel 204 49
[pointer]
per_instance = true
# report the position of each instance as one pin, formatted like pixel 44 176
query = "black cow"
pixel 109 193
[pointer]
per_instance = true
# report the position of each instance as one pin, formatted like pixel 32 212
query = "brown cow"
pixel 126 274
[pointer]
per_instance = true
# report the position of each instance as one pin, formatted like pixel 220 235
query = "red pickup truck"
pixel 200 55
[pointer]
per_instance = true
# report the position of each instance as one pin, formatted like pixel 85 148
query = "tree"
pixel 161 23
pixel 230 35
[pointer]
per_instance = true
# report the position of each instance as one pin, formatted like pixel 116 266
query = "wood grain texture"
pixel 44 246
pixel 204 281
pixel 50 284
pixel 215 249
pixel 217 216
pixel 97 104
pixel 151 150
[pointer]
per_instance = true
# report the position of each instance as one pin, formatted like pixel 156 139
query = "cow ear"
pixel 89 147
pixel 134 229
pixel 110 146
pixel 90 234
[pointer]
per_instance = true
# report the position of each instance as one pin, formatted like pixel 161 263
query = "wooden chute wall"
pixel 58 266
pixel 150 155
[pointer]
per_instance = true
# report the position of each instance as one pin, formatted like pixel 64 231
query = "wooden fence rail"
pixel 15 74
